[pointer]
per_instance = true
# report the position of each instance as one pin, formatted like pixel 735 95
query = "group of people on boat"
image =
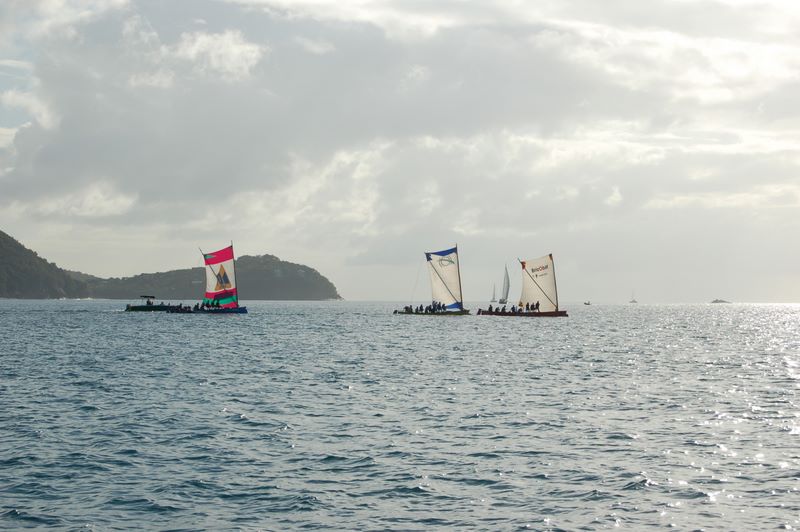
pixel 198 307
pixel 497 311
pixel 434 308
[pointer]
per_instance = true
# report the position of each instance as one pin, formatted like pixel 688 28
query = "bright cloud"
pixel 353 134
pixel 225 53
pixel 96 200
pixel 31 103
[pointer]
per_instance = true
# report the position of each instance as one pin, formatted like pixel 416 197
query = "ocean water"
pixel 340 415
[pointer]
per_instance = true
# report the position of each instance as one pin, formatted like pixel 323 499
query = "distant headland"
pixel 25 275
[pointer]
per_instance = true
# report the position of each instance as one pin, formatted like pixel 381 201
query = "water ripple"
pixel 343 416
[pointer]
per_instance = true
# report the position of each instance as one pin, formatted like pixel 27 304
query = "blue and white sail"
pixel 445 278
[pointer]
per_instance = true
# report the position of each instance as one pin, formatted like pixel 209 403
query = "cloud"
pixel 95 201
pixel 315 46
pixel 615 198
pixel 6 136
pixel 771 196
pixel 16 64
pixel 354 135
pixel 31 103
pixel 59 18
pixel 225 53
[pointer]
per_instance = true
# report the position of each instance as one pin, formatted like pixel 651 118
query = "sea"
pixel 342 416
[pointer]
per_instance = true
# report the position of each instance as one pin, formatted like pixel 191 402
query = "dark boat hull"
pixel 236 310
pixel 191 310
pixel 454 313
pixel 550 314
pixel 149 308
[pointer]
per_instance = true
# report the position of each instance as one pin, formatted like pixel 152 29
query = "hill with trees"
pixel 25 275
pixel 261 277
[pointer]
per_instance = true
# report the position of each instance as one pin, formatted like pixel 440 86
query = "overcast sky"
pixel 650 145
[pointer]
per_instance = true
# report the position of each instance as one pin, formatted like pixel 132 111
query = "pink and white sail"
pixel 221 278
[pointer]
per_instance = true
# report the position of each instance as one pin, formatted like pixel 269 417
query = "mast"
pixel 236 279
pixel 460 291
pixel 204 273
pixel 555 285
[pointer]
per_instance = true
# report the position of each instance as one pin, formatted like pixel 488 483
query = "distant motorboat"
pixel 149 306
pixel 720 301
pixel 587 302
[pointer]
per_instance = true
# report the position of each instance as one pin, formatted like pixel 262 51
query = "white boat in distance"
pixel 506 286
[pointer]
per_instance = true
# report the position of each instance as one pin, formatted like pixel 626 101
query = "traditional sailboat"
pixel 445 274
pixel 221 296
pixel 506 286
pixel 494 294
pixel 539 297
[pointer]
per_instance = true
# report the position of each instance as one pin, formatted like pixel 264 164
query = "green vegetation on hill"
pixel 23 274
pixel 262 277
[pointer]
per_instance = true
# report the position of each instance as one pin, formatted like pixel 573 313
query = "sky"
pixel 653 147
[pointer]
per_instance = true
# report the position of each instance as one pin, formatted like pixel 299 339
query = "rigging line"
pixel 539 287
pixel 416 281
pixel 445 284
pixel 204 264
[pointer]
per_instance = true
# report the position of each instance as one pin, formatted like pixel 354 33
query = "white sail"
pixel 506 286
pixel 494 293
pixel 539 283
pixel 445 278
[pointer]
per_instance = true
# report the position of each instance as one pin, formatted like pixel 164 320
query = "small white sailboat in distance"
pixel 633 297
pixel 494 294
pixel 506 286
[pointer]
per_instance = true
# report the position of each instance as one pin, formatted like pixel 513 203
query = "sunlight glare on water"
pixel 340 415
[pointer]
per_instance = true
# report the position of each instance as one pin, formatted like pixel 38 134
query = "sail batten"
pixel 221 278
pixel 445 277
